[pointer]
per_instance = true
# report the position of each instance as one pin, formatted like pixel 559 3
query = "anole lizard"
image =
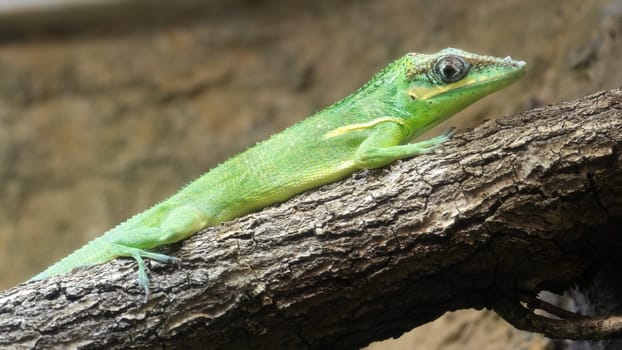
pixel 368 129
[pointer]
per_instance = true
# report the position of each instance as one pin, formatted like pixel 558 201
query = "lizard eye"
pixel 451 68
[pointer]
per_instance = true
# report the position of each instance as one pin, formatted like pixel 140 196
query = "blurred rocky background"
pixel 108 107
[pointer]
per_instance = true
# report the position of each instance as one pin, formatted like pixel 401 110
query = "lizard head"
pixel 440 84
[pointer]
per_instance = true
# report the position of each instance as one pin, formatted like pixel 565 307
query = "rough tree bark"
pixel 515 206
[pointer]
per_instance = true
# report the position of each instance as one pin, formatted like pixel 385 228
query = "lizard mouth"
pixel 496 82
pixel 515 70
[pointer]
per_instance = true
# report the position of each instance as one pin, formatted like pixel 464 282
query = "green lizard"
pixel 369 129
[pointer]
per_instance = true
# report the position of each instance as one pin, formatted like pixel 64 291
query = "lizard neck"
pixel 380 96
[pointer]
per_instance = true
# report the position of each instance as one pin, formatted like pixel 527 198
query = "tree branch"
pixel 510 208
pixel 593 328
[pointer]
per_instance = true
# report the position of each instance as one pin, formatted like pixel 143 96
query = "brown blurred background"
pixel 107 108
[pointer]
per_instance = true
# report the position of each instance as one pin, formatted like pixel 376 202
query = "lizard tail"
pixel 92 253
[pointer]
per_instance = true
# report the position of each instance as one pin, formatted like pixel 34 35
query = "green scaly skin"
pixel 368 129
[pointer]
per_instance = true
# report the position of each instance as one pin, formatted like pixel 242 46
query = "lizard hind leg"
pixel 178 224
pixel 138 255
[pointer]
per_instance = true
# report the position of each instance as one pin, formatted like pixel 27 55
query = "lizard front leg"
pixel 384 146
